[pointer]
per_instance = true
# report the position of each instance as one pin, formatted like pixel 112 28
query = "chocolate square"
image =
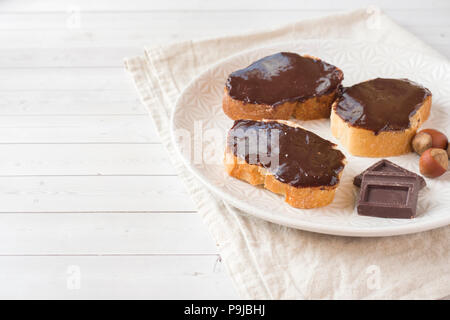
pixel 391 195
pixel 386 167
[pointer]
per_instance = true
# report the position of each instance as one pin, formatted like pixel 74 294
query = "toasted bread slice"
pixel 364 142
pixel 282 86
pixel 304 198
pixel 313 108
pixel 308 196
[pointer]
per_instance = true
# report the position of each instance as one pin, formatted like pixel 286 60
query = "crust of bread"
pixel 305 198
pixel 364 143
pixel 313 108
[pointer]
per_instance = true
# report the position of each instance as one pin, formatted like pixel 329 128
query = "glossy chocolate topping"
pixel 381 104
pixel 283 77
pixel 303 158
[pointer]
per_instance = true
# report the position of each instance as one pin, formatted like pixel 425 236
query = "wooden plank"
pixel 38 57
pixel 53 79
pixel 78 129
pixel 190 21
pixel 93 194
pixel 135 5
pixel 79 55
pixel 114 277
pixel 184 21
pixel 111 102
pixel 100 38
pixel 113 57
pixel 101 43
pixel 104 234
pixel 84 159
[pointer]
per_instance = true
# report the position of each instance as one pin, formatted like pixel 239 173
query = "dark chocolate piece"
pixel 388 196
pixel 283 77
pixel 381 104
pixel 386 166
pixel 303 158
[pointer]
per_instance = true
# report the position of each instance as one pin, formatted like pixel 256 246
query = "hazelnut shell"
pixel 421 142
pixel 439 140
pixel 433 162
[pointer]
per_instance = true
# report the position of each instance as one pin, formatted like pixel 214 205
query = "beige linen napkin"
pixel 267 261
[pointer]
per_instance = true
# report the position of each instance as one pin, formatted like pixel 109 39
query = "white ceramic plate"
pixel 198 113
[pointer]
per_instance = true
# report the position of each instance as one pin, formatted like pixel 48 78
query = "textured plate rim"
pixel 286 221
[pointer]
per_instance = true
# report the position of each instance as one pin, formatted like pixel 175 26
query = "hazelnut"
pixel 439 140
pixel 421 142
pixel 433 162
pixel 448 151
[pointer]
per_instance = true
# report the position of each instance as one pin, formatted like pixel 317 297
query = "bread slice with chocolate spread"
pixel 281 86
pixel 379 117
pixel 285 159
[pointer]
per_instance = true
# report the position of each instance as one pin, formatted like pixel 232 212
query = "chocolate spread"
pixel 303 158
pixel 381 104
pixel 283 77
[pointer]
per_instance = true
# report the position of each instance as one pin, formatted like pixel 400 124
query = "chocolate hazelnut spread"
pixel 381 104
pixel 303 158
pixel 283 77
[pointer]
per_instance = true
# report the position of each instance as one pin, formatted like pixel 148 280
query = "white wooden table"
pixel 90 206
